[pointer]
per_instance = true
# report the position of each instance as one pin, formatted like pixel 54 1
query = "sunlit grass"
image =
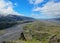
pixel 22 41
pixel 42 31
pixel 2 31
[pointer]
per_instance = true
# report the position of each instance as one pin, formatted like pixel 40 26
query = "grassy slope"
pixel 40 32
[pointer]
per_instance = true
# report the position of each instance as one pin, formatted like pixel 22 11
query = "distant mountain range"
pixel 53 20
pixel 14 18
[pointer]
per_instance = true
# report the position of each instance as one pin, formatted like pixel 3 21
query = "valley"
pixel 33 30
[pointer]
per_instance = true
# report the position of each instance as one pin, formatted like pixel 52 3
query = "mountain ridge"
pixel 14 18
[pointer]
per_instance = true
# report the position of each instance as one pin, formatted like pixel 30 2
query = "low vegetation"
pixel 40 32
pixel 2 31
pixel 4 25
pixel 21 41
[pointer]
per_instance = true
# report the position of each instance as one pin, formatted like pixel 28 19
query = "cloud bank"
pixel 35 2
pixel 51 8
pixel 7 8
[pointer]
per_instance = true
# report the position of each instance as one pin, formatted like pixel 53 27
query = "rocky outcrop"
pixel 54 39
pixel 22 37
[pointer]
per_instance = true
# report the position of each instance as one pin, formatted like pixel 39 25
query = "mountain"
pixel 52 20
pixel 10 20
pixel 13 18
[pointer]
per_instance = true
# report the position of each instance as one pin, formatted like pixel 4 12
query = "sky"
pixel 31 8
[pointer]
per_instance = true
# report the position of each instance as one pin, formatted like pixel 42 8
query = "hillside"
pixel 10 20
pixel 40 32
pixel 44 32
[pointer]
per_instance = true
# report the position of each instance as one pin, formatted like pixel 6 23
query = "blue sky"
pixel 32 8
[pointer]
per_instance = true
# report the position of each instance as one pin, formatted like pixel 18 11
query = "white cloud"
pixel 38 1
pixel 35 1
pixel 7 8
pixel 51 8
